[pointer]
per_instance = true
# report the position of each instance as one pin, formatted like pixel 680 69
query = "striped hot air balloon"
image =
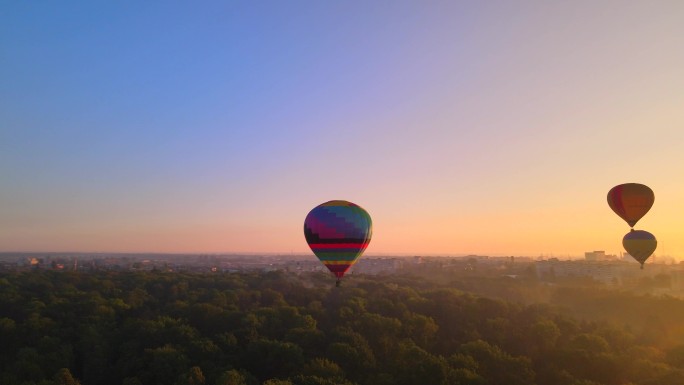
pixel 338 232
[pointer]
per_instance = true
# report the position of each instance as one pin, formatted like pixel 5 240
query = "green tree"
pixel 272 359
pixel 315 380
pixel 131 381
pixel 420 328
pixel 323 368
pixel 193 377
pixel 541 337
pixel 64 377
pixel 675 356
pixel 413 365
pixel 165 364
pixel 275 381
pixel 497 366
pixel 231 377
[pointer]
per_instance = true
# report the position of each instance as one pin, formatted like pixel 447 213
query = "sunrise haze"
pixel 491 128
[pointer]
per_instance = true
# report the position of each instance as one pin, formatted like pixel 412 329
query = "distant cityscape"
pixel 597 266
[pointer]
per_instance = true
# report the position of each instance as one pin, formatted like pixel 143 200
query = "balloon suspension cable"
pixel 642 265
pixel 631 229
pixel 338 283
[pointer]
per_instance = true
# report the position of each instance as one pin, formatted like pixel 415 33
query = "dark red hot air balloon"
pixel 631 201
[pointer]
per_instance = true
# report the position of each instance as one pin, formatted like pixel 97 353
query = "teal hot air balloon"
pixel 640 245
pixel 338 232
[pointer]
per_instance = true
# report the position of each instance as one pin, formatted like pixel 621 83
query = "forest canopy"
pixel 124 328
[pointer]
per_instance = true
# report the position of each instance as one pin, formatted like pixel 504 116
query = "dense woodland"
pixel 115 328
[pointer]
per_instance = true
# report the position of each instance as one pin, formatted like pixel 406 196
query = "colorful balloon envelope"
pixel 338 232
pixel 631 201
pixel 640 245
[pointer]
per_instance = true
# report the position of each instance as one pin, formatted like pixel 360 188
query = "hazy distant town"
pixel 660 275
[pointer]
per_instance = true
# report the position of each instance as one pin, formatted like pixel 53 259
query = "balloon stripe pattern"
pixel 631 201
pixel 338 232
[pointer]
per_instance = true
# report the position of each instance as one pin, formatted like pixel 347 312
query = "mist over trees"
pixel 123 328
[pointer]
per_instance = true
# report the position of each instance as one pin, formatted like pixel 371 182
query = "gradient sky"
pixel 460 126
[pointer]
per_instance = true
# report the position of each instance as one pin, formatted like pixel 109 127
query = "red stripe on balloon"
pixel 338 270
pixel 338 245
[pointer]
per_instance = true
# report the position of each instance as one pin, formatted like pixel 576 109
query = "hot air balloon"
pixel 338 232
pixel 640 245
pixel 631 201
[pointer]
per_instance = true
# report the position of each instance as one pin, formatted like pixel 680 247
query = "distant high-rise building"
pixel 598 255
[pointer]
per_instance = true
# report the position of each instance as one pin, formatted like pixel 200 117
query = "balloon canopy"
pixel 640 245
pixel 631 201
pixel 338 232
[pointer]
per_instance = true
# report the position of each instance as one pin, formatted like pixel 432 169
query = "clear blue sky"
pixel 487 127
